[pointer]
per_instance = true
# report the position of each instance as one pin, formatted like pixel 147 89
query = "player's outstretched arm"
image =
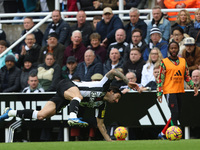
pixel 115 72
pixel 102 129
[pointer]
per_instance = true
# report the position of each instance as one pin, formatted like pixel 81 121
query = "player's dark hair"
pixel 172 43
pixel 115 89
pixel 74 78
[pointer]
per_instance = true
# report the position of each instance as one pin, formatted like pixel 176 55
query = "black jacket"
pixel 141 45
pixel 139 25
pixel 86 31
pixel 10 79
pixel 62 29
pixel 136 68
pixel 33 54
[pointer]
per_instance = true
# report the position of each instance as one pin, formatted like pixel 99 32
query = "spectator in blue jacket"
pixel 59 26
pixel 108 26
pixel 163 24
pixel 89 66
pixel 156 41
pixel 135 23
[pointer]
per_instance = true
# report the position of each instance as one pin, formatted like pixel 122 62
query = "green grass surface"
pixel 192 144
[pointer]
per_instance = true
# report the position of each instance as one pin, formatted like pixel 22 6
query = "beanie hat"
pixel 53 34
pixel 27 58
pixel 10 58
pixel 155 29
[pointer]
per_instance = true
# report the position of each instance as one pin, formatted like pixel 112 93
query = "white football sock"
pixel 34 115
pixel 12 113
pixel 77 98
pixel 72 115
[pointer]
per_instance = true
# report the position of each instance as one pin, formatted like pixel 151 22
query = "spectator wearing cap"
pixel 156 41
pixel 54 47
pixel 76 48
pixel 191 53
pixel 3 47
pixel 89 66
pixel 70 67
pixel 108 26
pixel 163 24
pixel 31 49
pixel 59 26
pixel 96 77
pixel 10 76
pixel 27 68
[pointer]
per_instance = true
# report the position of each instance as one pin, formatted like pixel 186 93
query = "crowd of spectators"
pixel 97 47
pixel 84 49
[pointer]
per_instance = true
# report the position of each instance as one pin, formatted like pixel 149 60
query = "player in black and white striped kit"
pixel 94 93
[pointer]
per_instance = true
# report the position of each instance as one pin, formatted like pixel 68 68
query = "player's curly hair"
pixel 115 89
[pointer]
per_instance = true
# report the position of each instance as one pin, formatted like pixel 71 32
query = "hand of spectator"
pixel 160 99
pixel 134 86
pixel 178 6
pixel 196 92
pixel 17 56
pixel 96 4
pixel 23 51
pixel 183 5
pixel 123 2
pixel 124 91
pixel 104 42
pixel 199 67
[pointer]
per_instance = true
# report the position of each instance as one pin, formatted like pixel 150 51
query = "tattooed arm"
pixel 115 72
pixel 102 129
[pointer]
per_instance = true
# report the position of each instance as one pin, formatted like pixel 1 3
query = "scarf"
pixel 197 25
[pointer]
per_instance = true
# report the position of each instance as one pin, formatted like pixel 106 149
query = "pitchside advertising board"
pixel 133 109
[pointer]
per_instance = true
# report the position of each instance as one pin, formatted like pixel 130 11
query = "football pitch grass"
pixel 192 144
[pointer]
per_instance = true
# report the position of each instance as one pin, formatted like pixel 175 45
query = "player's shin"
pixel 26 114
pixel 74 107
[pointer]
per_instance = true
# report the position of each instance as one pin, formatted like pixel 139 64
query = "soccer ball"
pixel 174 133
pixel 121 133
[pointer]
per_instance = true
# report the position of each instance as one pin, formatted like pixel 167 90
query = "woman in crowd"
pixel 195 28
pixel 155 58
pixel 27 68
pixel 183 20
pixel 49 73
